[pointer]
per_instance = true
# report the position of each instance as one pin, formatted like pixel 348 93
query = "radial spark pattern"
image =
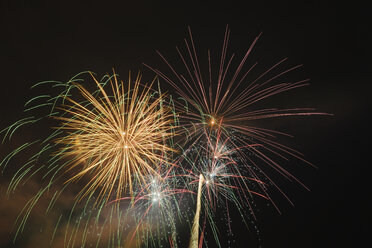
pixel 116 139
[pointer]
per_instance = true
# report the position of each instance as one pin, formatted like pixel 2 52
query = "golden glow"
pixel 95 135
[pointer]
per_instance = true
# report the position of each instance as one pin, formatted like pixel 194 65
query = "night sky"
pixel 54 41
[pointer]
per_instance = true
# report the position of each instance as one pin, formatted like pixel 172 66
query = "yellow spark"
pixel 95 135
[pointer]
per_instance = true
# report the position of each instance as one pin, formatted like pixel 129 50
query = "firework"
pixel 220 170
pixel 119 138
pixel 217 113
pixel 211 99
pixel 156 208
pixel 109 139
pixel 138 177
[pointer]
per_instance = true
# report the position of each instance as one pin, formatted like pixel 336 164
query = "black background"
pixel 41 40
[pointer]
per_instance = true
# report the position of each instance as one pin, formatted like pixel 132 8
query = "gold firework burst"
pixel 115 140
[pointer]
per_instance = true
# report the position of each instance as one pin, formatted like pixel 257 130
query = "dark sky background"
pixel 41 40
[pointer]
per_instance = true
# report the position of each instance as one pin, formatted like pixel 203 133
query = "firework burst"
pixel 110 140
pixel 224 100
pixel 226 97
pixel 217 169
pixel 156 207
pixel 217 110
pixel 119 138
